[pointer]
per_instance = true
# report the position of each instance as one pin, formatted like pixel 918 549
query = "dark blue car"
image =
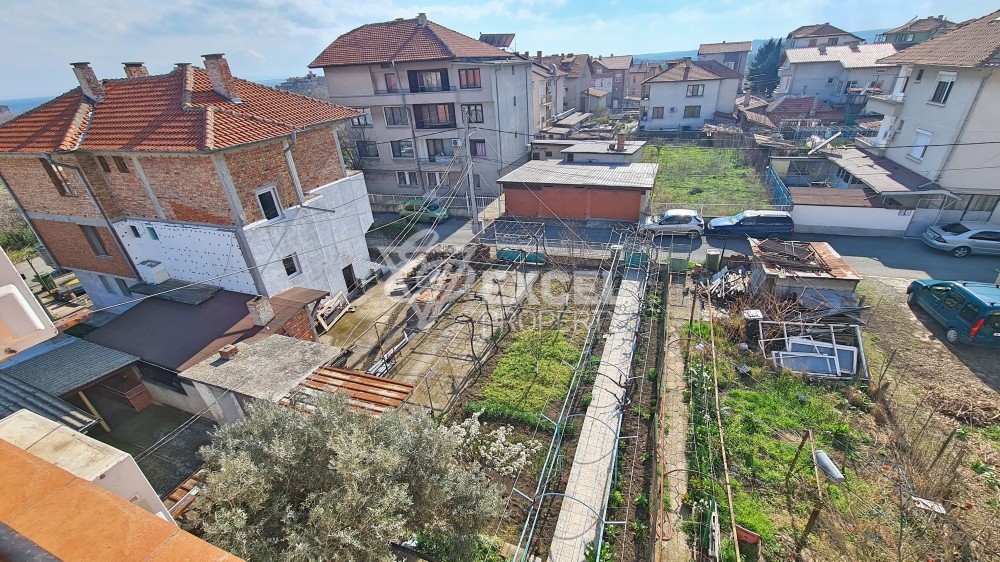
pixel 757 224
pixel 970 312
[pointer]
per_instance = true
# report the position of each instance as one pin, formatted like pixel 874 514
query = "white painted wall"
pixel 828 79
pixel 189 252
pixel 719 95
pixel 324 241
pixel 851 221
pixel 100 296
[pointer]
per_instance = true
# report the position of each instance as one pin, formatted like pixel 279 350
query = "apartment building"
pixel 840 74
pixel 818 35
pixel 578 71
pixel 734 55
pixel 916 31
pixel 433 100
pixel 547 90
pixel 940 121
pixel 192 175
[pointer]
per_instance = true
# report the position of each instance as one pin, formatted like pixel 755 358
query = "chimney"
pixel 228 351
pixel 260 310
pixel 746 98
pixel 135 70
pixel 687 67
pixel 422 19
pixel 538 55
pixel 941 17
pixel 91 86
pixel 222 79
pixel 621 143
pixel 812 112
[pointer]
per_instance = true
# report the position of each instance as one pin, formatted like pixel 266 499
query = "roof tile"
pixel 974 43
pixel 694 70
pixel 867 55
pixel 818 30
pixel 724 47
pixel 402 40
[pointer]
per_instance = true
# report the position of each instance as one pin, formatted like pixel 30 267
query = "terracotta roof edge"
pixel 208 140
pixel 83 118
pixel 311 99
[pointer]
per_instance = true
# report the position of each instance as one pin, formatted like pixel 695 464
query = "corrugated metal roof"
pixel 18 395
pixel 67 365
pixel 585 174
pixel 879 173
pixel 602 147
pixel 866 55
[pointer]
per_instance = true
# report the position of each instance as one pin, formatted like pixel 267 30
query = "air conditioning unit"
pixel 673 110
pixel 456 142
pixel 153 272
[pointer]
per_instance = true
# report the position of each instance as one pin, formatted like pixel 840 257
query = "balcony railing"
pixel 391 91
pixel 891 98
pixel 437 160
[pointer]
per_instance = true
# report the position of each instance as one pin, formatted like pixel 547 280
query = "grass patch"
pixel 19 243
pixel 395 228
pixel 693 174
pixel 532 374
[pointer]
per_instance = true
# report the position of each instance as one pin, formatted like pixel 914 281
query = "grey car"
pixel 964 238
pixel 682 222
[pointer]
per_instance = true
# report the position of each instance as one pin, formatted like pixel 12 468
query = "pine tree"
pixel 763 72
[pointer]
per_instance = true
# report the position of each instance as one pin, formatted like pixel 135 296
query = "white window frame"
pixel 363 120
pixel 436 179
pixel 294 256
pixel 273 190
pixel 921 140
pixel 686 116
pixel 406 178
pixel 695 91
pixel 413 152
pixel 943 76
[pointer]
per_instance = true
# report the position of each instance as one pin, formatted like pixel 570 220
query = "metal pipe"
pixel 93 410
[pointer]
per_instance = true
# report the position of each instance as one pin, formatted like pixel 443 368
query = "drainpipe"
pixel 413 132
pixel 965 122
pixel 496 102
pixel 292 171
pixel 90 193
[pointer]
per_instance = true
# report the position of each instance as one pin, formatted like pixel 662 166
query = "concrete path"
pixel 590 478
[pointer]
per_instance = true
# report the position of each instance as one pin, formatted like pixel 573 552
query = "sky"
pixel 265 39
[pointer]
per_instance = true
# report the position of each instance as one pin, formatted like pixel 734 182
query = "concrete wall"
pixel 851 221
pixel 326 236
pixel 100 295
pixel 811 79
pixel 189 252
pixel 793 43
pixel 962 173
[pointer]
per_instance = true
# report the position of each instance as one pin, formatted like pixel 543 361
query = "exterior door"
pixel 349 279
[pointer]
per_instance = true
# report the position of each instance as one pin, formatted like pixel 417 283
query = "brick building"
pixel 218 179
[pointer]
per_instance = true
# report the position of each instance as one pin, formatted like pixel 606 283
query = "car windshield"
pixel 955 228
pixel 738 218
pixel 433 207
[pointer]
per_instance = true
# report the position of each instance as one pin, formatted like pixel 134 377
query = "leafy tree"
pixel 763 71
pixel 339 485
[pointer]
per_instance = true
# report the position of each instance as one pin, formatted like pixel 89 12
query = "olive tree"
pixel 339 485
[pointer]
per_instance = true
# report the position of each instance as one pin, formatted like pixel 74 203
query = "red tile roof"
pixel 614 63
pixel 818 30
pixel 719 48
pixel 174 112
pixel 974 43
pixel 924 24
pixel 572 65
pixel 771 114
pixel 695 70
pixel 402 40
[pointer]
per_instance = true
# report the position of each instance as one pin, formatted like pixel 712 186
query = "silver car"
pixel 964 238
pixel 684 222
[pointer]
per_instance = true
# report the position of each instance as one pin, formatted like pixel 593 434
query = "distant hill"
pixel 868 36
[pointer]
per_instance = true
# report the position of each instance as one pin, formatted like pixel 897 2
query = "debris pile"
pixel 828 306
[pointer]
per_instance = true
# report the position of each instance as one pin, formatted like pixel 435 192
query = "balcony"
pixel 875 144
pixel 442 159
pixel 547 99
pixel 889 105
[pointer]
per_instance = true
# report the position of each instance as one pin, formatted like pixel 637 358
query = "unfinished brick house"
pixel 219 180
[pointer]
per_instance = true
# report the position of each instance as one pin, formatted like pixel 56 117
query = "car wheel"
pixel 951 335
pixel 911 297
pixel 961 251
pixel 773 236
pixel 694 234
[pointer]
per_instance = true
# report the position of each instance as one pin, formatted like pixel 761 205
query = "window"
pixel 569 157
pixel 919 76
pixel 833 41
pixel 472 113
pixel 106 283
pixel 851 84
pixel 391 83
pixel 367 149
pixel 469 78
pixel 428 80
pixel 436 179
pixel 291 264
pixel 920 142
pixel 268 200
pixel 94 239
pixel 406 178
pixel 55 173
pixel 692 111
pixel 477 147
pixel 954 300
pixel 123 287
pixel 657 113
pixel 402 149
pixel 946 80
pixel 907 38
pixel 396 116
pixel 548 154
pixel 696 90
pixel 434 116
pixel 475 181
pixel 515 101
pixel 988 235
pixel 104 163
pixel 363 120
pixel 812 43
pixel 731 65
pixel 152 233
pixel 135 231
pixel 993 321
pixel 120 164
pixel 439 147
pixel 618 77
pixel 829 81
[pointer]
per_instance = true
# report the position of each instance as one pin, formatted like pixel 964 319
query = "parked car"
pixel 759 224
pixel 964 238
pixel 675 222
pixel 425 211
pixel 970 312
